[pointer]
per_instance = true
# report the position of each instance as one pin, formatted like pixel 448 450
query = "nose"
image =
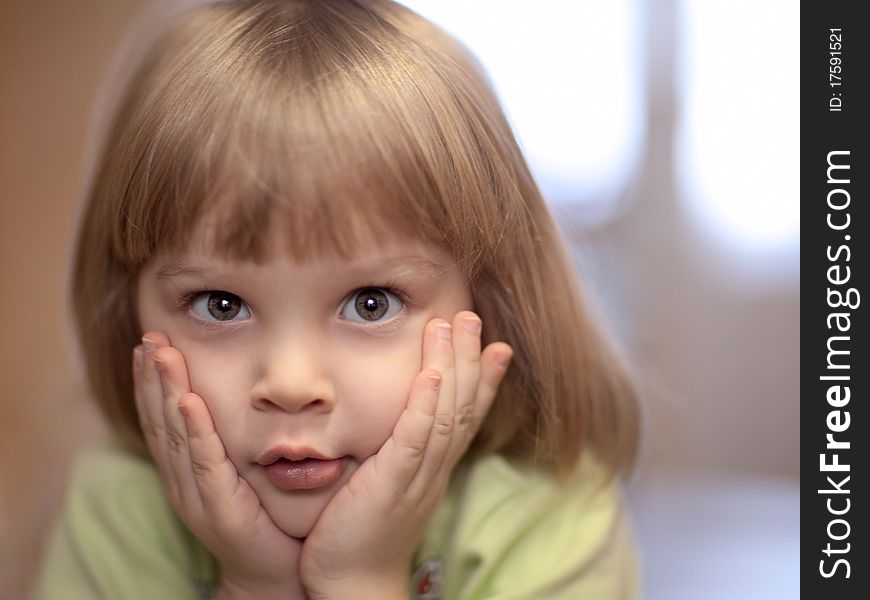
pixel 293 377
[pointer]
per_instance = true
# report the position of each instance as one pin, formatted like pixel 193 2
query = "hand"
pixel 257 559
pixel 363 542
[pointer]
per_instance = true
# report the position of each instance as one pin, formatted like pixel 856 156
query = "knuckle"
pixel 201 468
pixel 473 358
pixel 465 416
pixel 415 449
pixel 151 429
pixel 175 440
pixel 443 424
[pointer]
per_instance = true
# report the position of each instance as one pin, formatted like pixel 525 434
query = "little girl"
pixel 335 331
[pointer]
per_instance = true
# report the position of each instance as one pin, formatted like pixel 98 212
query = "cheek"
pixel 374 394
pixel 218 380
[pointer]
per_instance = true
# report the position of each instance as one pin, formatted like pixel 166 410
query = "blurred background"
pixel 665 135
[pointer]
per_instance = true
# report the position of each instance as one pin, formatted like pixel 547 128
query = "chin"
pixel 297 529
pixel 296 514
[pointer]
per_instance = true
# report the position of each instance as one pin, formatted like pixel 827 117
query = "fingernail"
pixel 158 363
pixel 150 346
pixel 503 360
pixel 444 330
pixel 471 324
pixel 434 382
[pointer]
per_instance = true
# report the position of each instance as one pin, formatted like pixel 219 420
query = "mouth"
pixel 300 468
pixel 290 453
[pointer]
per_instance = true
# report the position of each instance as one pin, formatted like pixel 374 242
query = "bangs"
pixel 331 129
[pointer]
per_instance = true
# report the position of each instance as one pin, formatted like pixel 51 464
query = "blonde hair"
pixel 338 121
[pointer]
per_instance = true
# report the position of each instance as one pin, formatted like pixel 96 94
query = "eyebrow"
pixel 177 267
pixel 412 262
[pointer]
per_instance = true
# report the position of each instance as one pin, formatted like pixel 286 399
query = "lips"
pixel 289 453
pixel 300 468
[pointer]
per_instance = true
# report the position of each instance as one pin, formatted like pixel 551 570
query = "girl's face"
pixel 313 358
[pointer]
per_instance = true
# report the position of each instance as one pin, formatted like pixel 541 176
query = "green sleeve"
pixel 512 534
pixel 117 537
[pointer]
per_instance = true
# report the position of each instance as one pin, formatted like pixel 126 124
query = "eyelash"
pixel 186 301
pixel 185 307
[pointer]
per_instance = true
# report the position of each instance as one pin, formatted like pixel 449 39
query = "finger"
pixel 215 475
pixel 150 404
pixel 494 363
pixel 466 344
pixel 401 455
pixel 175 382
pixel 146 418
pixel 438 355
pixel 448 436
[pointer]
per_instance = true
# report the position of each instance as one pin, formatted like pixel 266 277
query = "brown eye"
pixel 370 305
pixel 219 306
pixel 223 306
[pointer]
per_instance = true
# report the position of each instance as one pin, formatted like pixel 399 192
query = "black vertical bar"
pixel 835 367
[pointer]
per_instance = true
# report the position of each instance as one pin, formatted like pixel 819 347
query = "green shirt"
pixel 501 533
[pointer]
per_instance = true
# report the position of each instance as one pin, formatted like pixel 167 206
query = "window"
pixel 568 75
pixel 738 136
